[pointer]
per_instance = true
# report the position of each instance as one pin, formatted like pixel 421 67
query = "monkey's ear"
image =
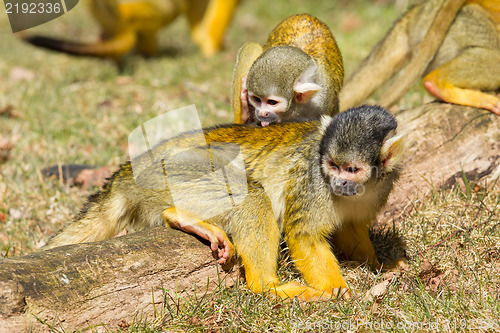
pixel 305 88
pixel 305 91
pixel 391 153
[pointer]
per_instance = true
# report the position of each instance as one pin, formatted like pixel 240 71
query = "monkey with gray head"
pixel 296 75
pixel 303 181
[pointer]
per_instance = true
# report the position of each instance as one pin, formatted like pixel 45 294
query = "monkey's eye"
pixel 256 99
pixel 333 165
pixel 352 169
pixel 272 102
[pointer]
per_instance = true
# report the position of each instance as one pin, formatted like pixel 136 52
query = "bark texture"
pixel 442 142
pixel 82 285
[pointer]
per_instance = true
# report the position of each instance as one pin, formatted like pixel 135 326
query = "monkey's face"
pixel 346 178
pixel 358 150
pixel 267 107
pixel 280 78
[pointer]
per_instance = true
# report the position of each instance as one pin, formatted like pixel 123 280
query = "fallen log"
pixel 443 142
pixel 109 282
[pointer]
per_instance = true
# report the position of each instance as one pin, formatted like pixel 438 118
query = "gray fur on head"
pixel 358 134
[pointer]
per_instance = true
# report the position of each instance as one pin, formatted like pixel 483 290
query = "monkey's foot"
pixel 496 108
pixel 292 290
pixel 398 264
pixel 375 265
pixel 205 41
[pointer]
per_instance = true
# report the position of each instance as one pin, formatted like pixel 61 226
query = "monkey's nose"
pixel 266 116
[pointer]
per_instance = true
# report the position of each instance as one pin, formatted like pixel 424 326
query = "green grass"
pixel 80 110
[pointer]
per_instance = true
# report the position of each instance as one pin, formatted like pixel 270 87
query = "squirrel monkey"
pixel 454 44
pixel 128 24
pixel 296 75
pixel 305 180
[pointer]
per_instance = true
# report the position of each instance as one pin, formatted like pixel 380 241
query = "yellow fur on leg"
pixel 263 279
pixel 439 87
pixel 187 222
pixel 208 33
pixel 353 239
pixel 315 260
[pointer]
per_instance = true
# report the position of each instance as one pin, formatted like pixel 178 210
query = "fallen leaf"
pixel 5 147
pixel 431 276
pixel 435 282
pixel 350 22
pixel 15 213
pixel 8 111
pixel 93 177
pixel 426 267
pixel 21 73
pixel 378 291
pixel 123 324
pixel 76 174
pixel 195 320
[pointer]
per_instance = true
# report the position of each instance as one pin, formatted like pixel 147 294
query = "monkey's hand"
pixel 221 246
pixel 245 107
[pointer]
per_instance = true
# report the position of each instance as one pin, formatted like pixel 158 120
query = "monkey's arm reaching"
pixel 445 82
pixel 354 241
pixel 474 43
pixel 221 246
pixel 307 223
pixel 239 99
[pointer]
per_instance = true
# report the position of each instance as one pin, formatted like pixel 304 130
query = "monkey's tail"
pixel 112 48
pixel 432 41
pixel 104 216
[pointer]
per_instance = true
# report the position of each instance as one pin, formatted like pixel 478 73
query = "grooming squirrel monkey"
pixel 296 75
pixel 135 23
pixel 305 180
pixel 454 44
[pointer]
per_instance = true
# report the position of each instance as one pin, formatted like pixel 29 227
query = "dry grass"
pixel 60 109
pixel 452 242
